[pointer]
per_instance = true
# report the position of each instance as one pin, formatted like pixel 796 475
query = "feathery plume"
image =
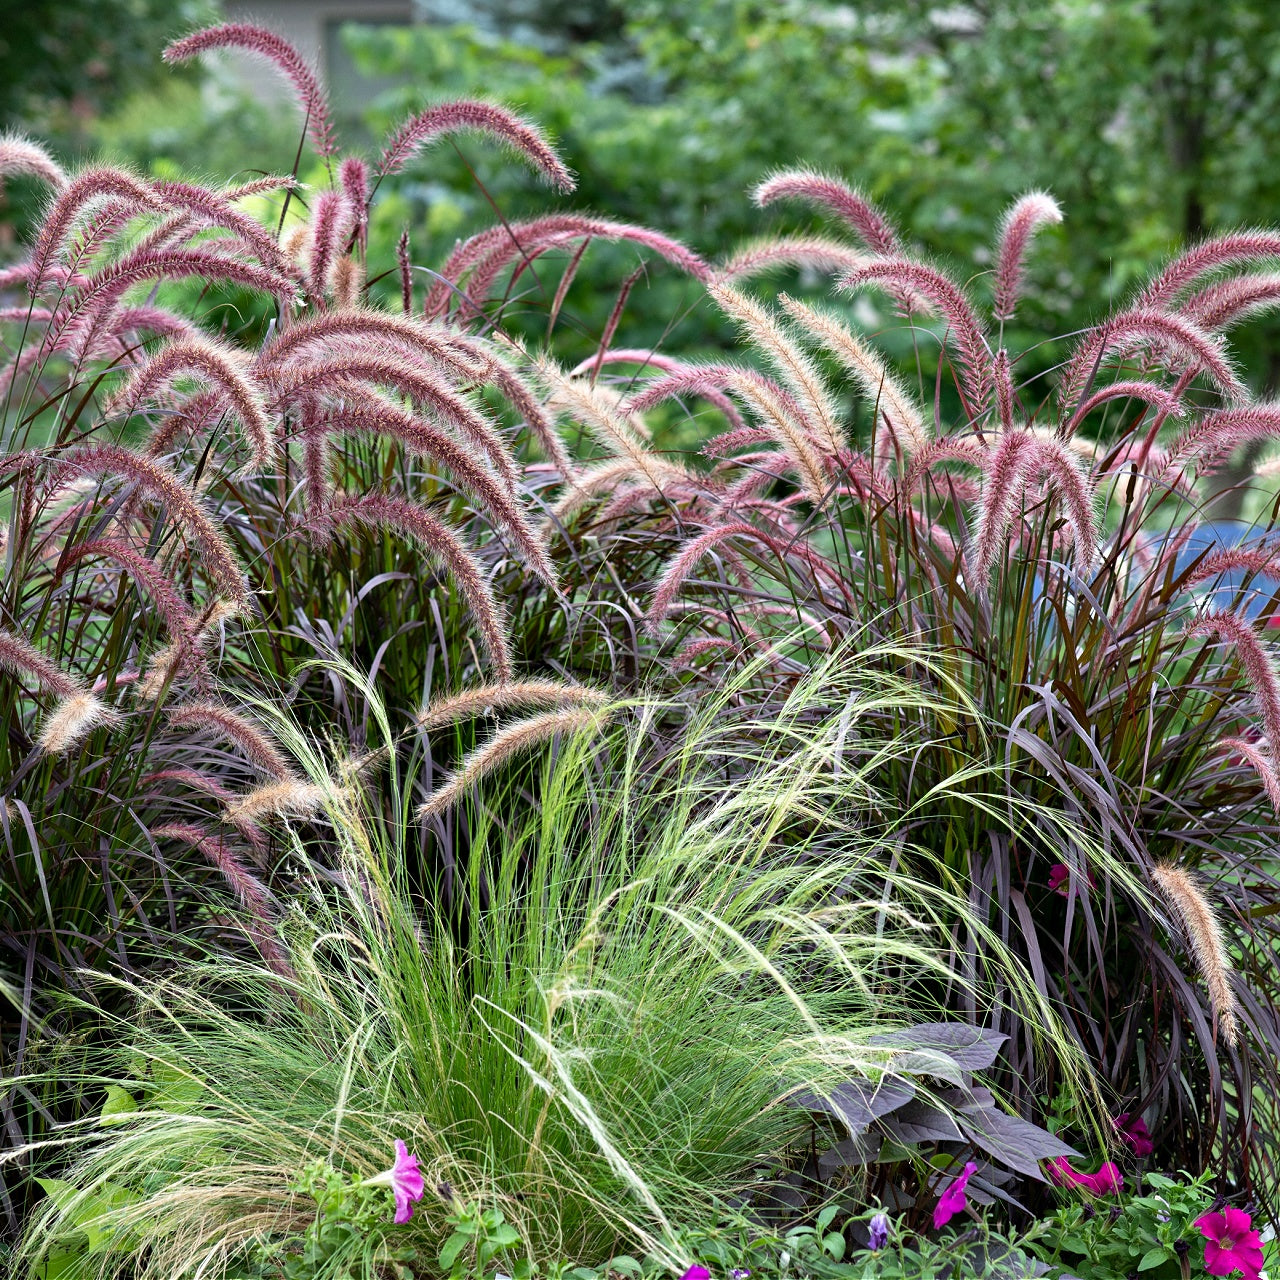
pixel 211 363
pixel 1227 303
pixel 1254 659
pixel 1160 331
pixel 405 263
pixel 93 185
pixel 506 743
pixel 1165 403
pixel 1004 467
pixel 22 156
pixel 163 485
pixel 488 699
pixel 1002 372
pixel 71 719
pixel 1203 937
pixel 424 389
pixel 216 209
pixel 372 415
pixel 282 55
pixel 541 424
pixel 1236 248
pixel 346 279
pixel 1262 764
pixel 658 478
pixel 252 740
pixel 893 401
pixel 145 572
pixel 819 253
pixel 378 511
pixel 871 226
pixel 945 449
pixel 498 123
pixel 21 657
pixel 795 368
pixel 1025 217
pixel 950 300
pixel 251 892
pixel 332 222
pixel 683 562
pixel 1217 434
pixel 353 178
pixel 288 798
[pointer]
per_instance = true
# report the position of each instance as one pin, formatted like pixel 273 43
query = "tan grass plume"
pixel 1187 902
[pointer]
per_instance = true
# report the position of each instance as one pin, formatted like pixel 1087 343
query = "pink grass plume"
pixel 282 55
pixel 849 204
pixel 1236 248
pixel 20 155
pixel 485 118
pixel 1027 215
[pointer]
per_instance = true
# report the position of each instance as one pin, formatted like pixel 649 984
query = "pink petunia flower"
pixel 953 1199
pixel 405 1180
pixel 1060 879
pixel 1135 1132
pixel 1231 1244
pixel 1107 1181
pixel 696 1272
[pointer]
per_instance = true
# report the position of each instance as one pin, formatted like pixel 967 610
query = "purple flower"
pixel 953 1199
pixel 696 1272
pixel 405 1180
pixel 739 1273
pixel 1231 1244
pixel 1135 1133
pixel 1107 1181
pixel 878 1229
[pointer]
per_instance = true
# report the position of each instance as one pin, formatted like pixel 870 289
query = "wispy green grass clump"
pixel 637 966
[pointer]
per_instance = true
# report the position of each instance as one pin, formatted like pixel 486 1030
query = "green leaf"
pixel 826 1217
pixel 1153 1258
pixel 120 1102
pixel 834 1245
pixel 452 1247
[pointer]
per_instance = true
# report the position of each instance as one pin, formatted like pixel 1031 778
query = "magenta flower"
pixel 953 1199
pixel 405 1180
pixel 1231 1244
pixel 696 1272
pixel 1107 1181
pixel 1135 1133
pixel 1060 879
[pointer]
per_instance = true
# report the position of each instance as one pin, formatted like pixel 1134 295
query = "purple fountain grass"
pixel 21 657
pixel 1237 248
pixel 385 511
pixel 159 587
pixel 213 363
pixel 164 486
pixel 950 300
pixel 1254 658
pixel 540 423
pixel 1229 302
pixel 793 366
pixel 1003 468
pixel 1263 765
pixel 405 263
pixel 1210 440
pixel 486 255
pixel 894 405
pixel 282 55
pixel 254 742
pixel 216 210
pixel 507 743
pixel 353 178
pixel 423 388
pixel 1164 401
pixel 332 223
pixel 948 449
pixel 686 559
pixel 870 225
pixel 20 155
pixel 1006 396
pixel 518 134
pixel 87 188
pixel 1158 331
pixel 819 253
pixel 707 388
pixel 372 415
pixel 1025 217
pixel 377 329
pixel 653 475
pixel 489 699
pixel 252 894
pixel 71 719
